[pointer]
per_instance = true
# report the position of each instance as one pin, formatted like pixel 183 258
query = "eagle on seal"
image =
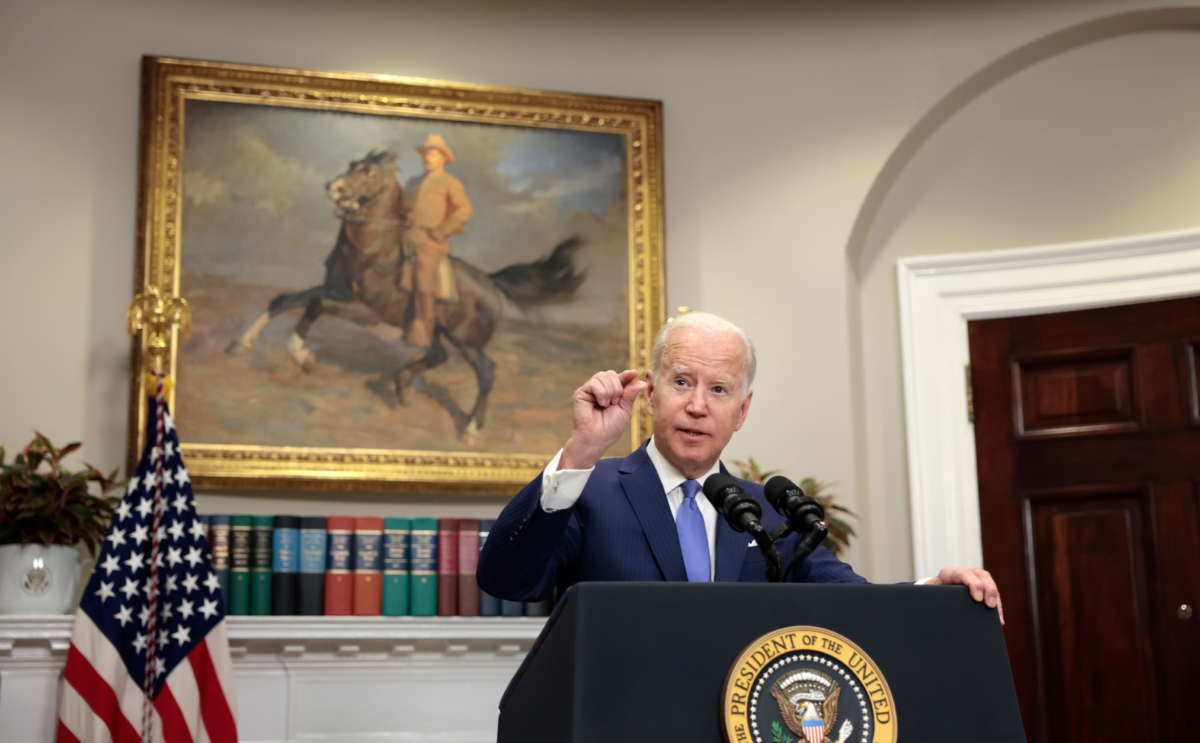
pixel 810 718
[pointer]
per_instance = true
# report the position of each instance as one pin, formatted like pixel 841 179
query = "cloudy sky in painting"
pixel 254 190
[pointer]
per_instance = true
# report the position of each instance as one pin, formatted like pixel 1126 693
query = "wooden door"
pixel 1087 435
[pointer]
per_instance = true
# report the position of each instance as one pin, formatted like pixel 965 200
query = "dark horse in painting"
pixel 363 283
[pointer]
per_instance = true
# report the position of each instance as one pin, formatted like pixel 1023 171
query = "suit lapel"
pixel 644 491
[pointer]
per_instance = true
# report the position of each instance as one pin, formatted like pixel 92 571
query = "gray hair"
pixel 702 321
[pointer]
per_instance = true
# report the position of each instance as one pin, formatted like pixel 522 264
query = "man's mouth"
pixel 692 433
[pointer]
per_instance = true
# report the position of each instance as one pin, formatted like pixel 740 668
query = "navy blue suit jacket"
pixel 621 529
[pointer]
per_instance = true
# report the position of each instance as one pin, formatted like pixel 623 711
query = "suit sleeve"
pixel 822 567
pixel 527 549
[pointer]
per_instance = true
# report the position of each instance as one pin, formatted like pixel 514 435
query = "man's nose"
pixel 697 401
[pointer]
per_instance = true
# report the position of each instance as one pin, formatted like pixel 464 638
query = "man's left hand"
pixel 978 581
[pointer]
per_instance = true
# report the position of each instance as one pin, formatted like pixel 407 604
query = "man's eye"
pixel 680 382
pixel 718 389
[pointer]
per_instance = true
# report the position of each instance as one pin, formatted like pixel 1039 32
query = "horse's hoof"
pixel 236 347
pixel 470 435
pixel 300 353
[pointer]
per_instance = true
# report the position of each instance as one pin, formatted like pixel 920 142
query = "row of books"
pixel 354 565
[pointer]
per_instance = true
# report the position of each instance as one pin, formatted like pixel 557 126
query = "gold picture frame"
pixel 239 202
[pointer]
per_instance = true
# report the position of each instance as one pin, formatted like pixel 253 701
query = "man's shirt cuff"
pixel 562 488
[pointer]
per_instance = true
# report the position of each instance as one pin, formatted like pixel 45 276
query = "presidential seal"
pixel 806 685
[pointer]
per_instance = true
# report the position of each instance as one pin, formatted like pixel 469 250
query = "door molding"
pixel 940 294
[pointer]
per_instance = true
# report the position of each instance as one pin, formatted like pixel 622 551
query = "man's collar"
pixel 670 477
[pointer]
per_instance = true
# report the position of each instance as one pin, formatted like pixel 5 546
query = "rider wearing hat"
pixel 440 208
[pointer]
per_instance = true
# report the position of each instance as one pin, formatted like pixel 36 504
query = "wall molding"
pixel 325 679
pixel 940 294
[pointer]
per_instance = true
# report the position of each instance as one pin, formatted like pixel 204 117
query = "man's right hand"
pixel 602 409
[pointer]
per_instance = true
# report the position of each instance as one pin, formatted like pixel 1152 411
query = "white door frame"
pixel 940 294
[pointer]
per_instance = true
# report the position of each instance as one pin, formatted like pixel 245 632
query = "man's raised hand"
pixel 602 409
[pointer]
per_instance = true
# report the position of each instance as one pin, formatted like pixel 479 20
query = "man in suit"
pixel 637 517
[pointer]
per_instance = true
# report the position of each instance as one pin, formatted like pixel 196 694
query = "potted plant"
pixel 46 510
pixel 840 531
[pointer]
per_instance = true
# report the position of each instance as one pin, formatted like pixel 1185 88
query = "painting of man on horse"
pixel 436 321
pixel 374 276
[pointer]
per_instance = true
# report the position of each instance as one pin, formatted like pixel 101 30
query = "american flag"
pixel 149 657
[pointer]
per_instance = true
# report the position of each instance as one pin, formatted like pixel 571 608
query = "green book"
pixel 239 565
pixel 261 550
pixel 423 584
pixel 395 566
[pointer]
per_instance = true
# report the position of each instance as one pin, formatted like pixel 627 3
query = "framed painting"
pixel 394 283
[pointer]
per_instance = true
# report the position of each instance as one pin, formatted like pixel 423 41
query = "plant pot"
pixel 35 579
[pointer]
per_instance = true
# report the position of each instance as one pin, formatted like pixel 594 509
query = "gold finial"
pixel 682 309
pixel 155 316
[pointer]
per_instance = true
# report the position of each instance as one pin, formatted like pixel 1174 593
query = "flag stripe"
pixel 77 719
pixel 65 735
pixel 214 707
pixel 182 683
pixel 94 646
pixel 174 727
pixel 99 695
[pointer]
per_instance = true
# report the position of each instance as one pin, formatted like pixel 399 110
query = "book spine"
pixel 447 568
pixel 489 605
pixel 423 580
pixel 539 608
pixel 368 565
pixel 239 565
pixel 468 559
pixel 285 566
pixel 311 581
pixel 218 550
pixel 261 552
pixel 339 581
pixel 512 608
pixel 395 566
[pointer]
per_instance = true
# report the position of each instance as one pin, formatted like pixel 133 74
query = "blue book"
pixel 311 601
pixel 489 605
pixel 285 565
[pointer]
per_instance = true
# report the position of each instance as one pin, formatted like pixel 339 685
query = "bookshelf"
pixel 332 679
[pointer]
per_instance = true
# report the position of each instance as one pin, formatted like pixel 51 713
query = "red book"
pixel 447 584
pixel 468 559
pixel 368 565
pixel 339 580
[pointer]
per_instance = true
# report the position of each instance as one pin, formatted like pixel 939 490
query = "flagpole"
pixel 155 317
pixel 149 657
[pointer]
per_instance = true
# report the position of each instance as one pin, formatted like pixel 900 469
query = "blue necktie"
pixel 693 541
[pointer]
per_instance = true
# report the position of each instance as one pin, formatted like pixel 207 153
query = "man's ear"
pixel 649 394
pixel 744 410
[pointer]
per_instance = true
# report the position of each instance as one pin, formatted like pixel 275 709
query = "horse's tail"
pixel 552 279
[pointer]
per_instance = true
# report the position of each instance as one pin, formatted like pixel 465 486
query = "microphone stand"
pixel 766 543
pixel 810 542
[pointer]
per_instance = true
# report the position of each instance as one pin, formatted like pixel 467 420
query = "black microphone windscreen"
pixel 716 486
pixel 776 490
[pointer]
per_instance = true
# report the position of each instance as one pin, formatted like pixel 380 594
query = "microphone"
pixel 804 516
pixel 803 513
pixel 744 514
pixel 741 511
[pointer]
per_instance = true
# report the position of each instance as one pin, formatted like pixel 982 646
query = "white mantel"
pixel 311 678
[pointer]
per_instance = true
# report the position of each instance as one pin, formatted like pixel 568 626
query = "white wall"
pixel 777 122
